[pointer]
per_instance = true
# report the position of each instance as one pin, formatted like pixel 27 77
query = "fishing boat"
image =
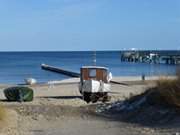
pixel 95 83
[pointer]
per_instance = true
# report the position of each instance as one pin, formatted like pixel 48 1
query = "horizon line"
pixel 90 50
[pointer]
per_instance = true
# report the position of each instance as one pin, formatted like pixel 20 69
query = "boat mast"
pixel 94 58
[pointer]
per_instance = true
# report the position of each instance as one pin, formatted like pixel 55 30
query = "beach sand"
pixel 58 108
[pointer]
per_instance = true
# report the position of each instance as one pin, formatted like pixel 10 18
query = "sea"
pixel 16 66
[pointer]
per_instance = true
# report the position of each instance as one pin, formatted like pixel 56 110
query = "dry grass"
pixel 2 113
pixel 169 90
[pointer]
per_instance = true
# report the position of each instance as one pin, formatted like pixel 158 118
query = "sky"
pixel 81 25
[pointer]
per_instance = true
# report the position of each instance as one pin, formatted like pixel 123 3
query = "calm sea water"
pixel 16 66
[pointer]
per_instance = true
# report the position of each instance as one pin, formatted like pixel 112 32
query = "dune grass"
pixel 169 90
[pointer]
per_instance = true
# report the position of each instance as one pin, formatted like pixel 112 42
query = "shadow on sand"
pixel 62 97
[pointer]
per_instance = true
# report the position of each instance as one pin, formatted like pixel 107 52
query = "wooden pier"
pixel 156 57
pixel 59 70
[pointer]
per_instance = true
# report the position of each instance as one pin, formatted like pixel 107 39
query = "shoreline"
pixel 68 89
pixel 72 80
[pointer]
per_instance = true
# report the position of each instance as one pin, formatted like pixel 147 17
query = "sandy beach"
pixel 58 108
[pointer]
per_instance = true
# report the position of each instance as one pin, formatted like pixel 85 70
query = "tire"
pixel 87 97
pixel 94 98
pixel 106 98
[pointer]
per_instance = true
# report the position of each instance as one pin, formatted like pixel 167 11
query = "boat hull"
pixel 19 94
pixel 93 86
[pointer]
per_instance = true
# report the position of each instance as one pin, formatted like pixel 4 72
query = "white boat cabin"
pixel 94 73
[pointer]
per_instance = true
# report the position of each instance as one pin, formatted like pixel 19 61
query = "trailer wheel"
pixel 87 97
pixel 94 98
pixel 106 98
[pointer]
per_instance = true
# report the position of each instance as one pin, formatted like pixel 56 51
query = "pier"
pixel 59 70
pixel 156 57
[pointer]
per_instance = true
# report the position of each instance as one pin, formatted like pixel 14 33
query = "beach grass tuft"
pixel 169 89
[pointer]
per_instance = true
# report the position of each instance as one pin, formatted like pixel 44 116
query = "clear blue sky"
pixel 58 25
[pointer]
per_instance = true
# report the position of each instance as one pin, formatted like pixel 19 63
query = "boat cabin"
pixel 94 85
pixel 94 73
